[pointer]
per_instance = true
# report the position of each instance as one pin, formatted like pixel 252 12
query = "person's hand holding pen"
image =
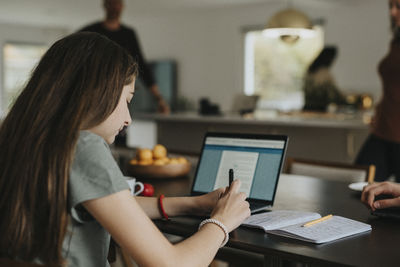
pixel 232 208
pixel 206 203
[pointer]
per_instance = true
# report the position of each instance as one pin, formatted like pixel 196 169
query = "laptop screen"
pixel 256 161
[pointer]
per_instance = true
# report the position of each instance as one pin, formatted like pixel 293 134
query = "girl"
pixel 61 192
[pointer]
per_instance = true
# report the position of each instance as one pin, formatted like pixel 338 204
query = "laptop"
pixel 256 160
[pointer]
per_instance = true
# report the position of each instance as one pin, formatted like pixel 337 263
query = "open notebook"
pixel 290 223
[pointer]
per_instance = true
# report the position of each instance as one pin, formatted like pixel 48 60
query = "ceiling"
pixel 75 12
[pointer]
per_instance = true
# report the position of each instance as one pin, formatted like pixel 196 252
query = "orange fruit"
pixel 159 151
pixel 144 154
pixel 182 160
pixel 173 161
pixel 145 162
pixel 159 162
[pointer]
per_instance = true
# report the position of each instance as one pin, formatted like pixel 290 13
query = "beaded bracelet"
pixel 161 206
pixel 221 225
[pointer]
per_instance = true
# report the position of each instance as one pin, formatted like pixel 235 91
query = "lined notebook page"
pixel 279 218
pixel 335 228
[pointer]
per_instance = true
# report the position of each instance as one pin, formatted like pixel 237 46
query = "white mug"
pixel 132 185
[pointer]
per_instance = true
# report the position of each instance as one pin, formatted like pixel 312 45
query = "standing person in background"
pixel 320 89
pixel 61 192
pixel 126 37
pixel 382 147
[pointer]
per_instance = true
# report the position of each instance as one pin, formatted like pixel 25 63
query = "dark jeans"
pixel 385 155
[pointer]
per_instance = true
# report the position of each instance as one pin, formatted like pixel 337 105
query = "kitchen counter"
pixel 322 136
pixel 300 119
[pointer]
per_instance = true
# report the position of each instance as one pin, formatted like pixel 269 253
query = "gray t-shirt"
pixel 94 174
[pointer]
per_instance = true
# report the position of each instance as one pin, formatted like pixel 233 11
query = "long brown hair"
pixel 76 85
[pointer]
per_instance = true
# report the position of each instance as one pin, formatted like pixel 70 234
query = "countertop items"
pixel 303 119
pixel 335 137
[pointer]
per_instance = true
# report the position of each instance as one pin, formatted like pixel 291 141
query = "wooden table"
pixel 377 248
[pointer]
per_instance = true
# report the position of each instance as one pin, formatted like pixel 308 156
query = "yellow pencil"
pixel 318 220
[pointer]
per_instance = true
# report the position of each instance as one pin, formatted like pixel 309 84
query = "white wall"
pixel 208 45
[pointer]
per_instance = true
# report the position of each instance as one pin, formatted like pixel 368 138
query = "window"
pixel 274 69
pixel 19 59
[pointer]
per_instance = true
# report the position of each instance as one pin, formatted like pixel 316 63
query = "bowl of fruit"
pixel 155 163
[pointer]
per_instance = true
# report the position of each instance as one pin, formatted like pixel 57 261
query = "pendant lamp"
pixel 289 24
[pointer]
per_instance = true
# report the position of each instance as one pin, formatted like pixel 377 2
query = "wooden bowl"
pixel 159 171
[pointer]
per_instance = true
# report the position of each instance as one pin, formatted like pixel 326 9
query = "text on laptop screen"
pixel 255 162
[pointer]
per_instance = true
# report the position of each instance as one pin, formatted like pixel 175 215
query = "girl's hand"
pixel 206 203
pixel 371 191
pixel 232 208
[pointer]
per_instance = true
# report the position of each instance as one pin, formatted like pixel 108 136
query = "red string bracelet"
pixel 161 206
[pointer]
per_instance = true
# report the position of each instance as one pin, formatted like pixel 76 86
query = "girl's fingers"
pixel 234 187
pixel 223 192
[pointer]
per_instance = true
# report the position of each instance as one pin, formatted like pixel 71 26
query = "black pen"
pixel 230 176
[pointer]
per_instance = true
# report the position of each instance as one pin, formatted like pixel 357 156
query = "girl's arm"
pixel 132 229
pixel 174 206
